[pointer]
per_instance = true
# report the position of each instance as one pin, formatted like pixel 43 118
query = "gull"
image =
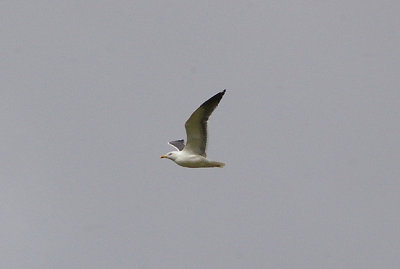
pixel 193 154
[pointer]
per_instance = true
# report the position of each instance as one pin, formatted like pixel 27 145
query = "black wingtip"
pixel 221 93
pixel 214 100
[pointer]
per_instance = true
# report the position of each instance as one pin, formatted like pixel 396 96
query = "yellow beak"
pixel 163 156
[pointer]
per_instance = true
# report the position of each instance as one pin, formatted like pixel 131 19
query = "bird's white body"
pixel 187 159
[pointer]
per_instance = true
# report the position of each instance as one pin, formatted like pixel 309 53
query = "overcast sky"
pixel 92 91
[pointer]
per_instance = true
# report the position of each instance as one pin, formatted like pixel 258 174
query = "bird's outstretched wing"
pixel 196 125
pixel 178 144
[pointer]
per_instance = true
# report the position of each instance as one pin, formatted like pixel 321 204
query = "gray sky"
pixel 92 91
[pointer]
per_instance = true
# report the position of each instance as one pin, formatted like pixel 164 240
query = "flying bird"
pixel 193 154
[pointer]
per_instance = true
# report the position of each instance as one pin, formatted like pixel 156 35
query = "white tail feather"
pixel 217 164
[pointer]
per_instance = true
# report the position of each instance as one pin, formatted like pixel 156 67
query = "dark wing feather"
pixel 196 125
pixel 178 144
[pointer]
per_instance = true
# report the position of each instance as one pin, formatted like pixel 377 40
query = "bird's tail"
pixel 217 164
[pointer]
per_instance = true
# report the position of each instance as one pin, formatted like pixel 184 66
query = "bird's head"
pixel 171 155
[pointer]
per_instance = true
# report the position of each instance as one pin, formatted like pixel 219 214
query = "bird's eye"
pixel 169 154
